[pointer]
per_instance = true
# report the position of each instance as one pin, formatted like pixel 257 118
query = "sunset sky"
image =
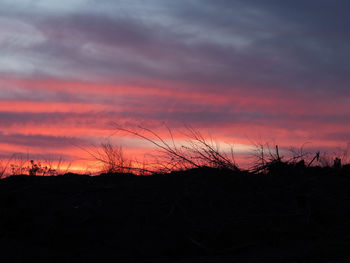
pixel 240 70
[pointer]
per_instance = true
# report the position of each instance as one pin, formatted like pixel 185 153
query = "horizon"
pixel 239 72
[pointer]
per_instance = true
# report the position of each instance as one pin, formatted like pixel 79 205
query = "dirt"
pixel 200 215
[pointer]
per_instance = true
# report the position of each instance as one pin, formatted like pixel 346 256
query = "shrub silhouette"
pixel 21 165
pixel 112 158
pixel 198 152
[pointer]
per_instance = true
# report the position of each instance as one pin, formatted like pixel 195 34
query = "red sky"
pixel 241 71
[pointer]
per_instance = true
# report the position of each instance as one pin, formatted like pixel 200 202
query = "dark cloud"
pixel 338 136
pixel 39 141
pixel 57 119
pixel 261 44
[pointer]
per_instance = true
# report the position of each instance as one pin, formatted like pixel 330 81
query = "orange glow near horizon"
pixel 85 114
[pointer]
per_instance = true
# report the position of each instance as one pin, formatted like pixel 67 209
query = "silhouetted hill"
pixel 199 215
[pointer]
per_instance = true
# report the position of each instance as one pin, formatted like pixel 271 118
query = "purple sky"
pixel 242 69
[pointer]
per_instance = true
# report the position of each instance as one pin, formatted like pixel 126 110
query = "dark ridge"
pixel 288 214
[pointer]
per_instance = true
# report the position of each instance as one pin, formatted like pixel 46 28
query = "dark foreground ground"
pixel 195 216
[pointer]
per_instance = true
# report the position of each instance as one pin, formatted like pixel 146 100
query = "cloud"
pixel 243 66
pixel 38 141
pixel 231 43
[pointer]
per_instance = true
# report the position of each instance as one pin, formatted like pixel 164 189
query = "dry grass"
pixel 196 152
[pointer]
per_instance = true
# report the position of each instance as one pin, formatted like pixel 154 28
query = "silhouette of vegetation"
pixel 36 168
pixel 197 152
pixel 3 167
pixel 267 160
pixel 196 205
pixel 111 157
pixel 20 164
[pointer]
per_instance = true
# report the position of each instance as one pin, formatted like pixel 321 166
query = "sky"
pixel 243 71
